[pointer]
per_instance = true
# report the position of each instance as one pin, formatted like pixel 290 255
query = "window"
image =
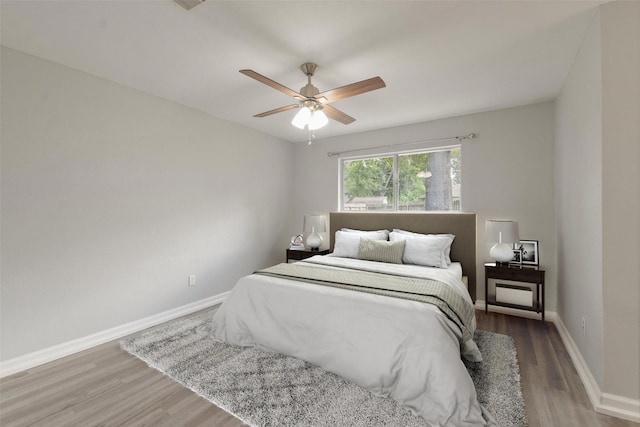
pixel 415 181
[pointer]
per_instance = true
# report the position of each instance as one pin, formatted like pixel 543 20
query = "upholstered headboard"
pixel 463 225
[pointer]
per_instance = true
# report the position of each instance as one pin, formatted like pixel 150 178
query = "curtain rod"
pixel 459 138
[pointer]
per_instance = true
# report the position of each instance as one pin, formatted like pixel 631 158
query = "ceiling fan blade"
pixel 271 83
pixel 352 89
pixel 278 110
pixel 337 115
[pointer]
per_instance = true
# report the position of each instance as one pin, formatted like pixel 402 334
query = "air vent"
pixel 188 4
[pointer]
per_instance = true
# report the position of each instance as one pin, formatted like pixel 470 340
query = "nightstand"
pixel 514 286
pixel 300 254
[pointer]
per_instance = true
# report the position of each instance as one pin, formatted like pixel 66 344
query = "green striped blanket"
pixel 448 300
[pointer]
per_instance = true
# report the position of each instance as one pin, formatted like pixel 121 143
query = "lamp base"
pixel 314 241
pixel 501 252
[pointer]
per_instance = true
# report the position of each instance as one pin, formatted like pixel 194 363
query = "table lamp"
pixel 315 224
pixel 504 234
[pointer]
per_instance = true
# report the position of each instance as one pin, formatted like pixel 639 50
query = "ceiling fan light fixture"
pixel 310 116
pixel 318 119
pixel 302 118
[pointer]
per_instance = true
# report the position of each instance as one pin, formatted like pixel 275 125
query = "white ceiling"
pixel 438 58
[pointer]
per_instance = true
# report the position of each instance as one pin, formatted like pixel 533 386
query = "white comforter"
pixel 406 350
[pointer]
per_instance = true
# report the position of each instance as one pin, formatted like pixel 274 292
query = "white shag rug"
pixel 269 389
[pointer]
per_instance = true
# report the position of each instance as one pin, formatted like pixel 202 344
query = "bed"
pixel 401 337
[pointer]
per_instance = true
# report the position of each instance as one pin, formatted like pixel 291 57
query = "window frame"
pixel 395 172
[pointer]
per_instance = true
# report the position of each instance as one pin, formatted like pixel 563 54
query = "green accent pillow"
pixel 381 250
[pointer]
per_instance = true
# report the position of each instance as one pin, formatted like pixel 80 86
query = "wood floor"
pixel 553 392
pixel 105 386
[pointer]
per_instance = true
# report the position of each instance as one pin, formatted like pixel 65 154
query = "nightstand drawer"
pixel 518 274
pixel 300 254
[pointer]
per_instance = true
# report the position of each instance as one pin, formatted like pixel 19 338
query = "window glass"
pixel 417 181
pixel 368 184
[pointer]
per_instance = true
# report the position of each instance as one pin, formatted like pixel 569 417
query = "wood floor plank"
pixel 552 390
pixel 106 386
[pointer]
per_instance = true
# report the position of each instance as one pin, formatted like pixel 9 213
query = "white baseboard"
pixel 55 352
pixel 591 386
pixel 618 406
pixel 604 403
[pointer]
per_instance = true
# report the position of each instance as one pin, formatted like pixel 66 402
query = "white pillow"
pixel 347 243
pixel 427 250
pixel 447 251
pixel 376 235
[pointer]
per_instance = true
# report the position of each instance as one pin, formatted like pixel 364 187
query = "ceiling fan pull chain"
pixel 312 135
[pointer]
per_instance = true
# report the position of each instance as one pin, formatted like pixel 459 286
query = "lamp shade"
pixel 302 118
pixel 315 224
pixel 501 231
pixel 503 234
pixel 318 119
pixel 310 116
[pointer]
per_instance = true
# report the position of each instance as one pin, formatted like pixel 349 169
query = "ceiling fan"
pixel 314 104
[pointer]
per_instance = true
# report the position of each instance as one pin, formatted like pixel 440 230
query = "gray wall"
pixel 621 197
pixel 506 173
pixel 111 198
pixel 598 200
pixel 579 201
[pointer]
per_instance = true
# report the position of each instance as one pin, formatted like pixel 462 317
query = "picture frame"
pixel 517 257
pixel 529 251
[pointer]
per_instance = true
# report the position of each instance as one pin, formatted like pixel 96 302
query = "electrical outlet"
pixel 192 280
pixel 584 327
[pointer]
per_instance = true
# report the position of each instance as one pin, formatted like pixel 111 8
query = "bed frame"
pixel 463 225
